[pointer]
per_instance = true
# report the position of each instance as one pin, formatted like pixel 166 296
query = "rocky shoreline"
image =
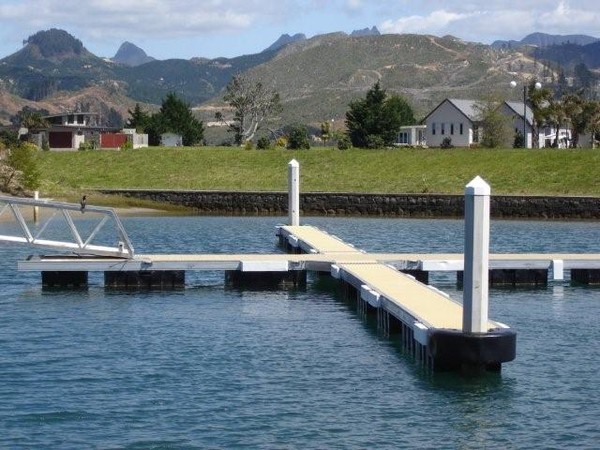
pixel 379 205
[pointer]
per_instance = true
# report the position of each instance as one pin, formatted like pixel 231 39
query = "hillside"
pixel 316 77
pixel 546 40
pixel 569 55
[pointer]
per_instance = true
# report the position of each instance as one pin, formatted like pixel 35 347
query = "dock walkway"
pixel 424 304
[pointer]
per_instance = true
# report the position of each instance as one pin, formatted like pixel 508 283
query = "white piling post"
pixel 36 209
pixel 294 192
pixel 477 243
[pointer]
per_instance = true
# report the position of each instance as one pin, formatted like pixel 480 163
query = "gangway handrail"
pixel 124 248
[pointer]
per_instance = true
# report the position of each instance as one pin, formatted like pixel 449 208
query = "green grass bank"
pixel 509 171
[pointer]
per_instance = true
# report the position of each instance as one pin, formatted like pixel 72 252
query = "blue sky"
pixel 211 28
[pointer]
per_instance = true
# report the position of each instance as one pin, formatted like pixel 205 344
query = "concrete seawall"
pixel 351 204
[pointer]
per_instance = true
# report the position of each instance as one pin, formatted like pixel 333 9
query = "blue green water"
pixel 209 367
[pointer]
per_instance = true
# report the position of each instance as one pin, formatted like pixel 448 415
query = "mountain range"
pixel 542 40
pixel 316 77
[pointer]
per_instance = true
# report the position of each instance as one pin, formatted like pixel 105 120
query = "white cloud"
pixel 566 17
pixel 486 21
pixel 230 26
pixel 433 23
pixel 113 17
pixel 354 5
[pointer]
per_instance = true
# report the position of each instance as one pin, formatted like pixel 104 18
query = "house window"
pixel 452 129
pixel 433 128
pixel 403 137
pixel 460 128
pixel 443 128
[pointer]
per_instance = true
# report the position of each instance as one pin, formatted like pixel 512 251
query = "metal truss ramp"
pixel 77 228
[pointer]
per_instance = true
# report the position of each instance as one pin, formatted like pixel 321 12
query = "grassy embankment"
pixel 531 172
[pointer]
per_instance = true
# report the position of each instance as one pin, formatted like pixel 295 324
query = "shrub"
pixel 375 141
pixel 281 142
pixel 447 143
pixel 127 145
pixel 86 145
pixel 519 140
pixel 248 145
pixel 344 143
pixel 298 138
pixel 263 143
pixel 22 162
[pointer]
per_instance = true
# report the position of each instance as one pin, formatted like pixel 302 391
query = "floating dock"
pixel 438 331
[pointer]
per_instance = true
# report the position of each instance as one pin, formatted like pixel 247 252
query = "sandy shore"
pixel 44 213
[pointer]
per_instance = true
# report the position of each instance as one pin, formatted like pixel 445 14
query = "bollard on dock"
pixel 294 192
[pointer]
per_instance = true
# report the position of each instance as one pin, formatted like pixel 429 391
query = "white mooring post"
pixel 477 250
pixel 294 192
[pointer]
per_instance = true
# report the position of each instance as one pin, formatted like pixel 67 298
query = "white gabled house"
pixel 459 120
pixel 454 119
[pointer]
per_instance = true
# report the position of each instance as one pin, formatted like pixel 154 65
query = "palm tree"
pixel 556 117
pixel 539 100
pixel 575 109
pixel 593 113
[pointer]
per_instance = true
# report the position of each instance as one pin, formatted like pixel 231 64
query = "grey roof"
pixel 517 107
pixel 467 107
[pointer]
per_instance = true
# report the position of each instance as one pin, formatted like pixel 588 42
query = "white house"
pixel 459 120
pixel 69 130
pixel 411 136
pixel 454 119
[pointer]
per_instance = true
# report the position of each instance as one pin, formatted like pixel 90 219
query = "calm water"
pixel 208 367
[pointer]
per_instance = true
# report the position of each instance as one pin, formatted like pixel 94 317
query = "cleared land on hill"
pixel 509 171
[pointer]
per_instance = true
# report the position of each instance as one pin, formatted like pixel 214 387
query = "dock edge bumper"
pixel 452 349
